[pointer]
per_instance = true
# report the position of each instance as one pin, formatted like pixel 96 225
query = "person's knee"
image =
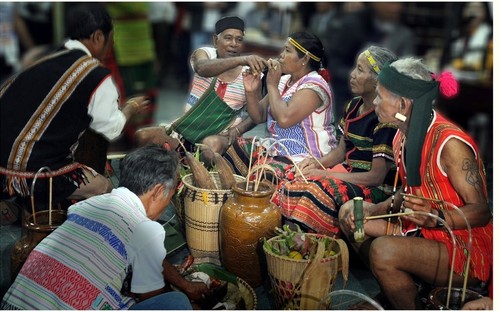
pixel 96 185
pixel 214 143
pixel 100 185
pixel 211 144
pixel 382 253
pixel 150 135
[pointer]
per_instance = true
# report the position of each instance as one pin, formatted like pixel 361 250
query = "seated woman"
pixel 297 107
pixel 362 164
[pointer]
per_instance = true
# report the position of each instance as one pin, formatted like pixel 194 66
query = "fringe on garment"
pixel 8 306
pixel 15 182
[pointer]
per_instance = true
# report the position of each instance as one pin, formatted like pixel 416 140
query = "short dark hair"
pixel 83 20
pixel 148 166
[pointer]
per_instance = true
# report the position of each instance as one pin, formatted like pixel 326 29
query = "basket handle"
pixel 279 143
pixel 454 240
pixel 469 248
pixel 469 243
pixel 33 194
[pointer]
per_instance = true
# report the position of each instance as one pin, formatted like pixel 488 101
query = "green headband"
pixel 423 93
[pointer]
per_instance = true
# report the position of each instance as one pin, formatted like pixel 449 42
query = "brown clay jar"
pixel 244 220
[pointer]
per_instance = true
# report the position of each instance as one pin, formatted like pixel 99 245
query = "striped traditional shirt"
pixel 234 94
pixel 82 264
pixel 313 135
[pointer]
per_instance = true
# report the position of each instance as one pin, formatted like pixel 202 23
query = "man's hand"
pixel 195 290
pixel 485 303
pixel 135 106
pixel 256 63
pixel 419 204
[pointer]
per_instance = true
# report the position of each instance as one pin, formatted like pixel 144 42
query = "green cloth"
pixel 423 93
pixel 209 116
pixel 133 33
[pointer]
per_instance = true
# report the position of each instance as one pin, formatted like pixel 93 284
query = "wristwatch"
pixel 440 224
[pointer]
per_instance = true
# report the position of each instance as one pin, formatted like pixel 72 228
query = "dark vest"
pixel 43 110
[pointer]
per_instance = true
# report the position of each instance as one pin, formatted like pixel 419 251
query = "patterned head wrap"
pixel 423 93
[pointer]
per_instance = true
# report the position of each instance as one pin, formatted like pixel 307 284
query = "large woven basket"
pixel 201 218
pixel 287 274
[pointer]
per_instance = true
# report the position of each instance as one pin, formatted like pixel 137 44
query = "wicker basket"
pixel 248 294
pixel 287 275
pixel 178 203
pixel 201 217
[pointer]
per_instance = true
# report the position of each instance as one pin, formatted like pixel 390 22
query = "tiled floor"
pixel 170 106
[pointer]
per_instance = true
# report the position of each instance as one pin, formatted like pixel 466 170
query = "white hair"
pixel 413 68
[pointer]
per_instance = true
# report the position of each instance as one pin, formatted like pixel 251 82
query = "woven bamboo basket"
pixel 178 203
pixel 201 218
pixel 248 294
pixel 287 275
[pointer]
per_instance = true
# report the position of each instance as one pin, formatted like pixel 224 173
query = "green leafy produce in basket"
pixel 297 245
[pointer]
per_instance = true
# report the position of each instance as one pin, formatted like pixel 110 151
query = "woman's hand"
pixel 347 219
pixel 251 82
pixel 314 172
pixel 273 72
pixel 308 163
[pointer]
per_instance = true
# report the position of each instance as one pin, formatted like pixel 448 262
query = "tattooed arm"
pixel 460 164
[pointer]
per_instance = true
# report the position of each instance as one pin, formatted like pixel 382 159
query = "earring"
pixel 303 64
pixel 400 117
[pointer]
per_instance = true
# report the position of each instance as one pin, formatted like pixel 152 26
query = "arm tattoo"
pixel 472 175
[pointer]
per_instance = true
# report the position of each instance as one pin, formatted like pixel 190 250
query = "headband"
pixel 303 50
pixel 423 93
pixel 229 22
pixel 372 61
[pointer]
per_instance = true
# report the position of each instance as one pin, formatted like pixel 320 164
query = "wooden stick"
pixel 250 164
pixel 396 177
pixel 423 198
pixel 50 200
pixel 33 208
pixel 389 215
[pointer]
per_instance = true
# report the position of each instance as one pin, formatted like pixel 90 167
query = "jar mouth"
pixel 265 188
pixel 43 222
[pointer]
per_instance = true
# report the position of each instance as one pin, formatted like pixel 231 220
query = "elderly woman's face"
pixel 289 59
pixel 362 80
pixel 386 104
pixel 229 43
